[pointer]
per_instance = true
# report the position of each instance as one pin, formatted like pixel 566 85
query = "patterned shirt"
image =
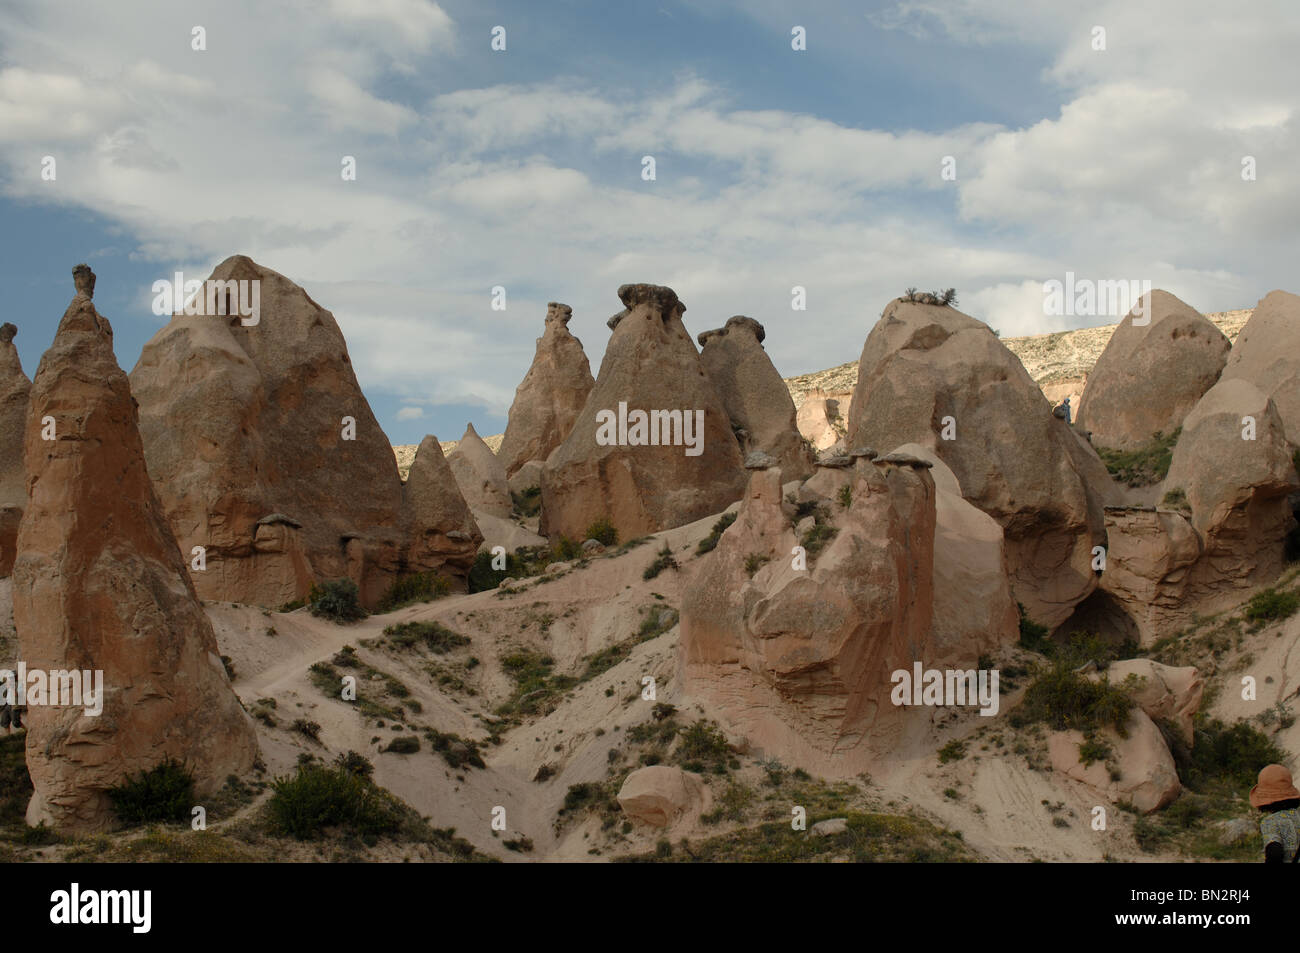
pixel 1282 827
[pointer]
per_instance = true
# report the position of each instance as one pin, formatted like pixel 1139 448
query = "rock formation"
pixel 800 660
pixel 443 527
pixel 1150 376
pixel 245 422
pixel 1162 691
pixel 14 387
pixel 653 446
pixel 928 373
pixel 1267 354
pixel 1147 778
pixel 754 395
pixel 101 585
pixel 480 475
pixel 661 795
pixel 550 397
pixel 820 418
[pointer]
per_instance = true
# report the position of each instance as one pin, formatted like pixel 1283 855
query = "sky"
pixel 522 168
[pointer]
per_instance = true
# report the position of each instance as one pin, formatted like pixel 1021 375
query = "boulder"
pixel 799 659
pixel 1147 777
pixel 243 421
pixel 661 795
pixel 527 477
pixel 101 585
pixel 1267 354
pixel 1150 376
pixel 14 387
pixel 550 397
pixel 754 395
pixel 1163 690
pixel 480 475
pixel 1237 488
pixel 612 466
pixel 928 370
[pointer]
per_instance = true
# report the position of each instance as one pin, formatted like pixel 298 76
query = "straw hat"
pixel 1274 785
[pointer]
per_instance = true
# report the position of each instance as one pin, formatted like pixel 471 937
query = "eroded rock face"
pixel 926 367
pixel 480 475
pixel 1150 376
pixel 661 795
pixel 800 660
pixel 1147 776
pixel 550 397
pixel 754 395
pixel 1237 488
pixel 101 585
pixel 242 422
pixel 14 387
pixel 820 418
pixel 446 533
pixel 1163 691
pixel 650 366
pixel 1267 354
pixel 1150 569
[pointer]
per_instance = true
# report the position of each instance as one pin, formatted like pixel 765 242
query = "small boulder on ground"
pixel 661 795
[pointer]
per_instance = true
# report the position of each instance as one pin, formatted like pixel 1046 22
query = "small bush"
pixel 1093 749
pixel 403 744
pixel 1146 465
pixel 529 502
pixel 1270 605
pixel 318 797
pixel 308 728
pixel 703 746
pixel 603 532
pixel 565 549
pixel 354 763
pixel 1032 635
pixel 708 543
pixel 483 577
pixel 434 636
pixel 846 496
pixel 1176 499
pixel 1065 699
pixel 815 540
pixel 337 600
pixel 954 750
pixel 664 560
pixel 163 793
pixel 417 587
pixel 754 562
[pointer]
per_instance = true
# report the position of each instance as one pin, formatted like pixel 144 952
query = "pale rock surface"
pixel 1148 778
pixel 480 475
pixel 1151 375
pixel 1267 354
pixel 101 585
pixel 662 795
pixel 1164 691
pixel 14 387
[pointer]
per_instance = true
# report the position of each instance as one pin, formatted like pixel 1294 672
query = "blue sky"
pixel 521 168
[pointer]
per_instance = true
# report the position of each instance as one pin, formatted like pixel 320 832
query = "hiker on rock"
pixel 1278 798
pixel 1066 406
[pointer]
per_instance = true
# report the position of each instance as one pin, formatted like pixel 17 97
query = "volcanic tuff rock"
pixel 660 795
pixel 436 508
pixel 551 395
pixel 1150 376
pixel 480 475
pixel 1267 354
pixel 821 418
pixel 923 364
pixel 800 660
pixel 1147 778
pixel 101 585
pixel 240 422
pixel 14 387
pixel 650 365
pixel 754 395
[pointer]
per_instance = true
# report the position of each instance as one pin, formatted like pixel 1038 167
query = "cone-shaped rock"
pixel 14 387
pixel 551 395
pixel 653 446
pixel 1150 375
pixel 934 376
pixel 101 585
pixel 435 503
pixel 1267 353
pixel 754 395
pixel 247 422
pixel 480 475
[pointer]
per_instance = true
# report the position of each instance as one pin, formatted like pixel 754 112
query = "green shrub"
pixel 754 562
pixel 403 744
pixel 336 600
pixel 528 502
pixel 1146 465
pixel 815 540
pixel 1093 749
pixel 1066 699
pixel 1176 499
pixel 163 793
pixel 318 797
pixel 1224 754
pixel 663 561
pixel 455 750
pixel 483 577
pixel 954 750
pixel 354 763
pixel 708 543
pixel 1032 635
pixel 416 587
pixel 703 747
pixel 309 728
pixel 565 549
pixel 603 532
pixel 1270 605
pixel 846 496
pixel 434 636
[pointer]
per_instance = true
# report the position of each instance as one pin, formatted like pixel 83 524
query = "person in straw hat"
pixel 1278 798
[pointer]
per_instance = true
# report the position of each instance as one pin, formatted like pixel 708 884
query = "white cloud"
pixel 410 413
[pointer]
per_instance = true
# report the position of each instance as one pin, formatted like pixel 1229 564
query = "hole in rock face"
pixel 1099 615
